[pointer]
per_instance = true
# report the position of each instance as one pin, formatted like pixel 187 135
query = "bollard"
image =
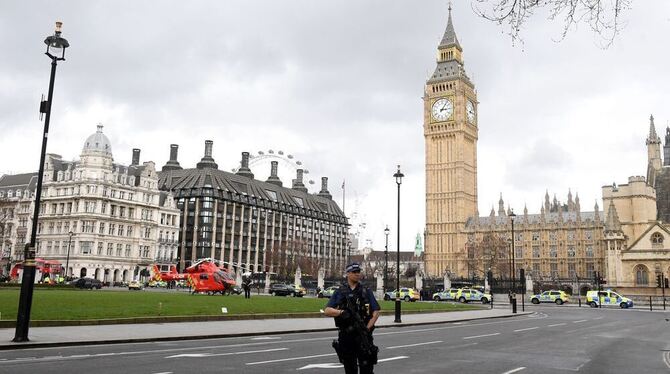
pixel 650 307
pixel 663 303
pixel 513 304
pixel 491 299
pixel 580 301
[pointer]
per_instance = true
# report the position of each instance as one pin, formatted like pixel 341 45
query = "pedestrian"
pixel 355 310
pixel 246 284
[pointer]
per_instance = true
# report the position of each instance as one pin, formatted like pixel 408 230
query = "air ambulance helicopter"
pixel 204 276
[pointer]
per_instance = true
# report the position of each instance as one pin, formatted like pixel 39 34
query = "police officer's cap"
pixel 354 266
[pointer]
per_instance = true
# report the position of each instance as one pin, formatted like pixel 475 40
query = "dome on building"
pixel 98 142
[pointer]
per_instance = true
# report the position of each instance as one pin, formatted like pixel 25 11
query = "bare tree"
pixel 602 16
pixel 491 252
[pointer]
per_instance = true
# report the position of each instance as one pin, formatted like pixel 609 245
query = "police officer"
pixel 353 295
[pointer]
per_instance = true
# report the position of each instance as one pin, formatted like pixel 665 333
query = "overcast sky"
pixel 338 84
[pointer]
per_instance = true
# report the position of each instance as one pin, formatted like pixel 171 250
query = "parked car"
pixel 551 296
pixel 328 292
pixel 282 289
pixel 449 294
pixel 467 294
pixel 236 290
pixel 607 298
pixel 87 283
pixel 135 285
pixel 407 294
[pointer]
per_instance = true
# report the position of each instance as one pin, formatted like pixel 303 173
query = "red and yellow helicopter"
pixel 204 276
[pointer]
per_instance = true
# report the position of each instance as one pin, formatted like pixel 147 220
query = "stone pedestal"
pixel 447 281
pixel 298 277
pixel 418 280
pixel 379 277
pixel 267 283
pixel 321 275
pixel 529 286
pixel 487 286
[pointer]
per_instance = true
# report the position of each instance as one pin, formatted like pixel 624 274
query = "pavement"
pixel 129 333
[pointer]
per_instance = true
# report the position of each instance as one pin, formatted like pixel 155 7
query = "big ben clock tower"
pixel 450 131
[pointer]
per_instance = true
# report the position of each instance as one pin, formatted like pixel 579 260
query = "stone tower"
pixel 450 132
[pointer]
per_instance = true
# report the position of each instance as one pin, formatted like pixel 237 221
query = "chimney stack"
pixel 207 161
pixel 136 157
pixel 274 179
pixel 244 166
pixel 324 189
pixel 298 183
pixel 172 164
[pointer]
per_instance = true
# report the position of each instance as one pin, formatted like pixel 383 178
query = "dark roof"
pixel 18 182
pixel 186 182
pixel 449 39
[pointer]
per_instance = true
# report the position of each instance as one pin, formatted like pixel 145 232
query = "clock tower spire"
pixel 450 134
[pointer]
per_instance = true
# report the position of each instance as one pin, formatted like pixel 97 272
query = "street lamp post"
pixel 386 258
pixel 56 46
pixel 398 180
pixel 512 216
pixel 67 259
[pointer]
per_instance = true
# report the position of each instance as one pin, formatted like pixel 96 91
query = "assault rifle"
pixel 353 325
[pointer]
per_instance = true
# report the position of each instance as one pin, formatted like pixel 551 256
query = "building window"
pixel 589 251
pixel 656 239
pixel 589 270
pixel 553 252
pixel 86 247
pixel 571 251
pixel 641 275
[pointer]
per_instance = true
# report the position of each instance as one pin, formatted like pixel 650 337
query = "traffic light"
pixel 666 282
pixel 659 281
pixel 489 277
pixel 522 278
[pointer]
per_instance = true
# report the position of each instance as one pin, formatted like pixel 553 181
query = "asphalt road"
pixel 552 340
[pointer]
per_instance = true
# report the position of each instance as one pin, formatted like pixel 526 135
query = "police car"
pixel 607 298
pixel 407 294
pixel 465 295
pixel 449 294
pixel 551 296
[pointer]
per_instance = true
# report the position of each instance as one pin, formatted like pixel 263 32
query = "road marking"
pixel 481 336
pixel 581 320
pixel 266 338
pixel 290 359
pixel 414 345
pixel 529 328
pixel 164 372
pixel 598 318
pixel 557 324
pixel 392 358
pixel 514 370
pixel 666 358
pixel 198 355
pixel 321 366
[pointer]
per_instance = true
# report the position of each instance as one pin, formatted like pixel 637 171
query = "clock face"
pixel 442 109
pixel 470 110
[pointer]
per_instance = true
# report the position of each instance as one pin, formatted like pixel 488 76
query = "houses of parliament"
pixel 627 241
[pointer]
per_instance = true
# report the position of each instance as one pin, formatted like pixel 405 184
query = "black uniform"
pixel 246 284
pixel 349 346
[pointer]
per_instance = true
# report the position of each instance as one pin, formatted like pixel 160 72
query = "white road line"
pixel 414 345
pixel 598 318
pixel 666 358
pixel 514 370
pixel 529 328
pixel 290 359
pixel 392 358
pixel 266 338
pixel 164 372
pixel 481 336
pixel 198 355
pixel 557 324
pixel 581 320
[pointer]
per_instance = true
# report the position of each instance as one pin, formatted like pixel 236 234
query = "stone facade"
pixel 17 194
pixel 559 243
pixel 450 133
pixel 112 219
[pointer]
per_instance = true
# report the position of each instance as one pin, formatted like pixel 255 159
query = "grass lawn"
pixel 86 304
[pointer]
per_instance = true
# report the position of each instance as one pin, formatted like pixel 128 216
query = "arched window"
pixel 641 276
pixel 656 238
